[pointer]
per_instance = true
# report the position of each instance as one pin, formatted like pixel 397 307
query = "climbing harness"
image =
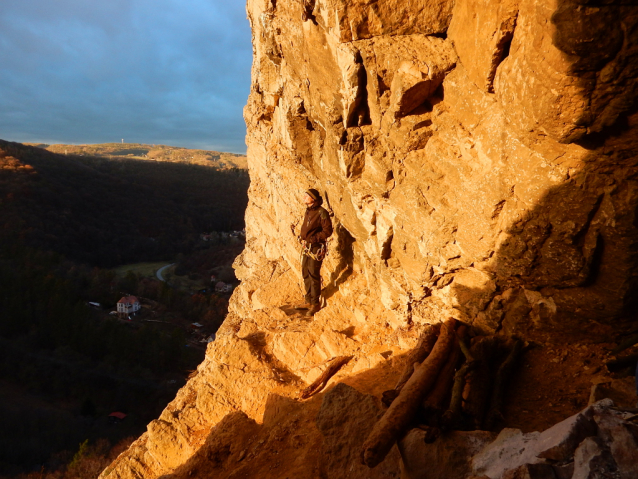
pixel 319 255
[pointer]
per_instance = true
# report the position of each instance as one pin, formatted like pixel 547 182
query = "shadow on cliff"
pixel 345 259
pixel 320 437
pixel 601 50
pixel 571 261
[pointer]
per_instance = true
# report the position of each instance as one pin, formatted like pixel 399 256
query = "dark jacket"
pixel 316 226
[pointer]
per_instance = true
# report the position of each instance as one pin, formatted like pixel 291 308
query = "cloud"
pixel 152 71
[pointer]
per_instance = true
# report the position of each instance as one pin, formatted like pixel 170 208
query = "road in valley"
pixel 161 270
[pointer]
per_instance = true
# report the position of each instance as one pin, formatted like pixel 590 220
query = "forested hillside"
pixel 112 211
pixel 65 222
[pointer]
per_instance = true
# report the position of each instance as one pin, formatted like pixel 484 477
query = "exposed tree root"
pixel 478 383
pixel 495 414
pixel 319 383
pixel 417 356
pixel 437 400
pixel 394 423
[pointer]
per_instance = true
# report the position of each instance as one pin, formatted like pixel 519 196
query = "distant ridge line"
pixel 144 152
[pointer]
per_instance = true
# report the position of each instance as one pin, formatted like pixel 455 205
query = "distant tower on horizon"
pixel 122 140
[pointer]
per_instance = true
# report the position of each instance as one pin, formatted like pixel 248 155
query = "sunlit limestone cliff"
pixel 480 161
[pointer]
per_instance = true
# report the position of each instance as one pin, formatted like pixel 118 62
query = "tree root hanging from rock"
pixel 417 356
pixel 505 371
pixel 468 383
pixel 319 383
pixel 478 382
pixel 394 423
pixel 435 402
pixel 452 417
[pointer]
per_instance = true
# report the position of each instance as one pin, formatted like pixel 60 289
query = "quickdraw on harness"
pixel 318 255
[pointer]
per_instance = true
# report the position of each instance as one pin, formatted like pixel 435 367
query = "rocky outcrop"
pixel 479 160
pixel 451 199
pixel 597 442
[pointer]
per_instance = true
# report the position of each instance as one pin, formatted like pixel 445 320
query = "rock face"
pixel 471 175
pixel 597 442
pixel 480 161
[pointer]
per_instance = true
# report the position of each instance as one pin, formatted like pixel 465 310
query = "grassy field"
pixel 146 270
pixel 149 270
pixel 184 283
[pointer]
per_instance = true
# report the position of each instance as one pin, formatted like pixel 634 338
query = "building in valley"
pixel 128 305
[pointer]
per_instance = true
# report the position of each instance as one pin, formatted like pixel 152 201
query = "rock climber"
pixel 315 231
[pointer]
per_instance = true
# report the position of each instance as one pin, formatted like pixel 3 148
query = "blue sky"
pixel 173 72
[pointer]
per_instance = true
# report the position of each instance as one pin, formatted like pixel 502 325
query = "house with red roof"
pixel 128 305
pixel 116 417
